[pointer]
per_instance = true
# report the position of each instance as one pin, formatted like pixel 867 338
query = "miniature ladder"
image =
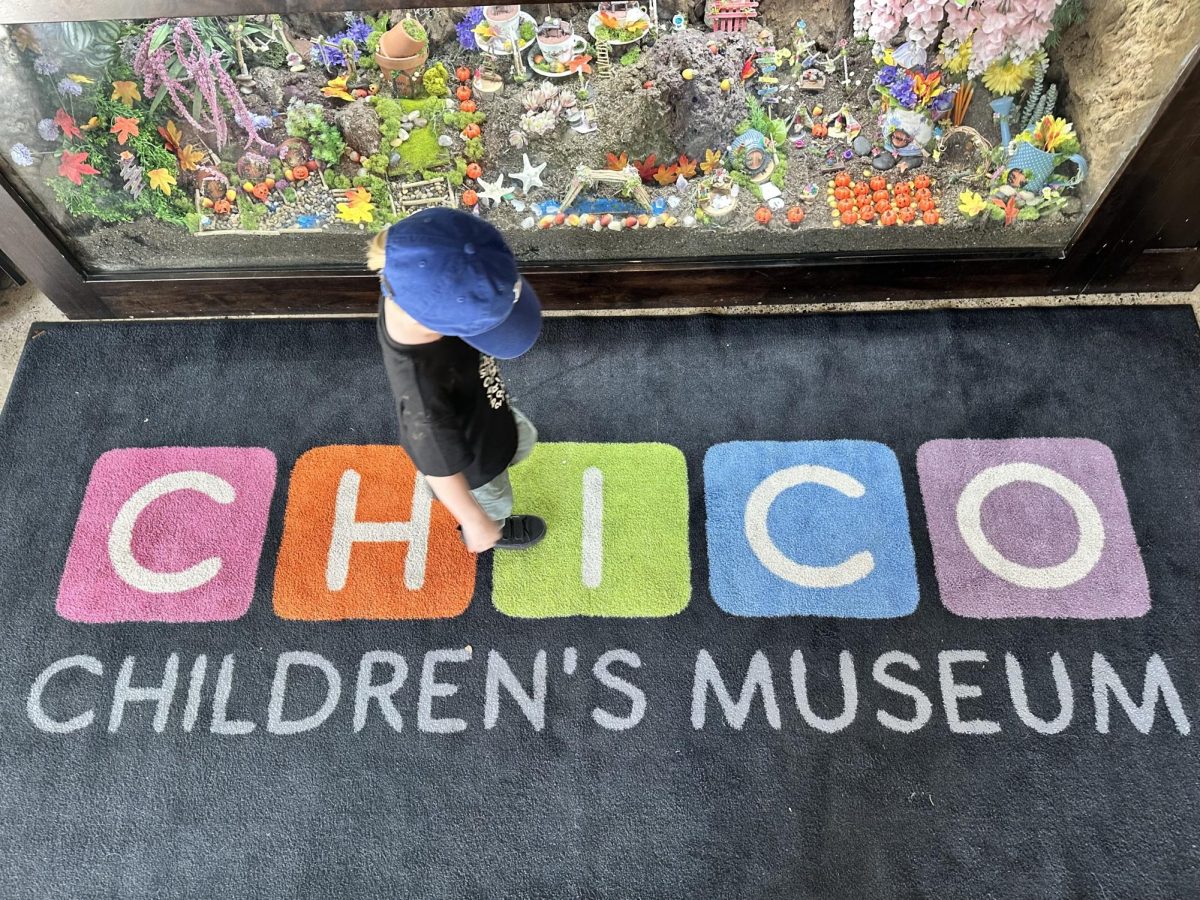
pixel 604 59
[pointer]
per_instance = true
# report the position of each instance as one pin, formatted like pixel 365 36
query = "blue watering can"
pixel 1041 166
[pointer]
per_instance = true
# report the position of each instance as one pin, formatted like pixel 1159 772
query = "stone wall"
pixel 1115 68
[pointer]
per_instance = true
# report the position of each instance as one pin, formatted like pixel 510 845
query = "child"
pixel 452 300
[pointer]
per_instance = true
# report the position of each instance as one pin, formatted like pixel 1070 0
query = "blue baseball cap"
pixel 453 273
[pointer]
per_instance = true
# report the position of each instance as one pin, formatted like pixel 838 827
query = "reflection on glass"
pixel 616 131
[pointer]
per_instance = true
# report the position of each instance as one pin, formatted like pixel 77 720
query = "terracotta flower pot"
pixel 399 44
pixel 402 64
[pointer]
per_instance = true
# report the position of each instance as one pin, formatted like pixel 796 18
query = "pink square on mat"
pixel 1031 527
pixel 169 534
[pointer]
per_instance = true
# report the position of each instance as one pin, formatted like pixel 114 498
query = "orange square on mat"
pixel 363 538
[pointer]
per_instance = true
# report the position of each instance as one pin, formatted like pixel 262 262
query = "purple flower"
pixel 905 94
pixel 359 31
pixel 21 155
pixel 46 65
pixel 943 101
pixel 69 88
pixel 887 75
pixel 48 129
pixel 262 122
pixel 466 28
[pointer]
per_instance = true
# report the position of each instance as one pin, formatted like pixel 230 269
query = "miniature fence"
pixel 734 15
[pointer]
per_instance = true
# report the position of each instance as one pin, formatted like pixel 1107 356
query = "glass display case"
pixel 174 163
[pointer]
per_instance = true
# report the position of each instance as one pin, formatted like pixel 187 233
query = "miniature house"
pixel 731 15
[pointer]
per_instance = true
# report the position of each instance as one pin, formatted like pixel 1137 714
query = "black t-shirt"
pixel 452 407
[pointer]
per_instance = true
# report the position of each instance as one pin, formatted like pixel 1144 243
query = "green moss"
pixel 436 81
pixel 338 180
pixel 251 212
pixel 460 172
pixel 780 174
pixel 289 194
pixel 192 221
pixel 307 121
pixel 415 29
pixel 421 151
pixel 631 56
pixel 746 183
pixel 459 120
pixel 473 149
pixel 528 31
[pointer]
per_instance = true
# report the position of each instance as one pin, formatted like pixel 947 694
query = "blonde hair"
pixel 377 251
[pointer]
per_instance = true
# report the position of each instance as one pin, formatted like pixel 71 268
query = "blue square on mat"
pixel 808 528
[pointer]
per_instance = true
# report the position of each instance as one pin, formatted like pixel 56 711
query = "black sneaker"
pixel 520 532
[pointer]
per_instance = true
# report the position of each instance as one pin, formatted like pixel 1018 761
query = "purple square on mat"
pixel 1031 527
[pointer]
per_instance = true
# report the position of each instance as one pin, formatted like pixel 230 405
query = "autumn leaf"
pixel 608 20
pixel 124 127
pixel 126 92
pixel 162 180
pixel 687 167
pixel 645 168
pixel 358 196
pixel 666 174
pixel 337 88
pixel 618 163
pixel 81 79
pixel 64 121
pixel 189 157
pixel 25 39
pixel 580 64
pixel 74 166
pixel 712 159
pixel 171 136
pixel 356 213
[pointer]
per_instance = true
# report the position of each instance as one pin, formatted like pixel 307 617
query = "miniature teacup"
pixel 556 40
pixel 505 20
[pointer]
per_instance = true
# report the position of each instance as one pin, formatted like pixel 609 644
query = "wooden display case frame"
pixel 1143 234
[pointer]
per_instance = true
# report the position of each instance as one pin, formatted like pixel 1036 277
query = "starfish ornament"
pixel 530 176
pixel 493 191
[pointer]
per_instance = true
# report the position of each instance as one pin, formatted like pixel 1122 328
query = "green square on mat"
pixel 617 533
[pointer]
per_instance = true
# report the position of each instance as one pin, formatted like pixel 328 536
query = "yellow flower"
pixel 337 87
pixel 80 79
pixel 970 204
pixel 1052 133
pixel 162 180
pixel 958 61
pixel 1005 77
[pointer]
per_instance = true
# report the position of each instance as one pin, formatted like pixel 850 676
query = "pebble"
pixel 689 221
pixel 518 205
pixel 421 123
pixel 659 205
pixel 673 202
pixel 394 159
pixel 861 146
pixel 776 203
pixel 1027 196
pixel 413 116
pixel 444 140
pixel 769 191
pixel 681 183
pixel 527 223
pixel 615 225
pixel 883 162
pixel 1006 190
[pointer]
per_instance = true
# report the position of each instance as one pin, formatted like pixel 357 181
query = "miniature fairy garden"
pixel 937 126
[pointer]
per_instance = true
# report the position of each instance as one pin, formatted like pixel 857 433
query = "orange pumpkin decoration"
pixel 879 183
pixel 474 170
pixel 903 200
pixel 463 92
pixel 867 214
pixel 902 187
pixel 467 106
pixel 471 131
pixel 762 215
pixel 299 173
pixel 261 191
pixel 880 194
pixel 842 193
pixel 906 214
pixel 926 205
pixel 861 188
pixel 922 181
pixel 470 198
pixel 795 215
pixel 882 206
pixel 462 73
pixel 888 217
pixel 844 206
pixel 923 194
pixel 842 179
pixel 849 217
pixel 222 207
pixel 820 131
pixel 930 217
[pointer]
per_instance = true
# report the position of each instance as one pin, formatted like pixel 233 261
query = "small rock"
pixel 770 192
pixel 735 190
pixel 421 123
pixel 394 159
pixel 776 203
pixel 689 221
pixel 1027 196
pixel 615 225
pixel 451 104
pixel 1006 190
pixel 681 183
pixel 362 170
pixel 518 205
pixel 527 223
pixel 444 140
pixel 413 116
pixel 1073 206
pixel 673 202
pixel 883 162
pixel 861 146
